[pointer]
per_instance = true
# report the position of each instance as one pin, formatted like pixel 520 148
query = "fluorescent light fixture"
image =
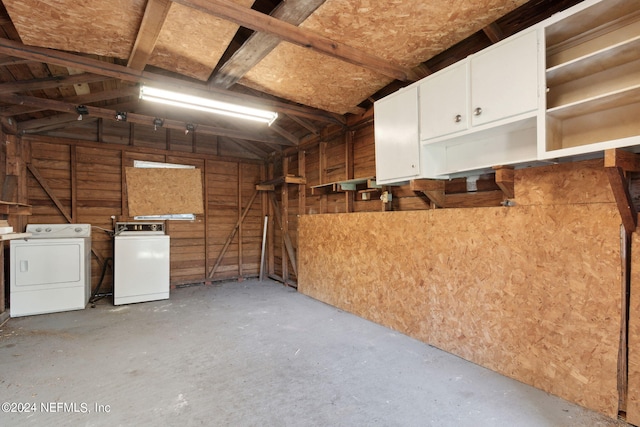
pixel 208 105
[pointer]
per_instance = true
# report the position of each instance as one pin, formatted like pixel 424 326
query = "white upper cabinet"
pixel 482 111
pixel 444 102
pixel 567 87
pixel 396 136
pixel 504 79
pixel 498 83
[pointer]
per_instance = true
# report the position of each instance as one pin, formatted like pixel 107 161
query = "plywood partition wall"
pixel 531 291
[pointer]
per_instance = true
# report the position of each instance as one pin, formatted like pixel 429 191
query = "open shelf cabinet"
pixel 592 80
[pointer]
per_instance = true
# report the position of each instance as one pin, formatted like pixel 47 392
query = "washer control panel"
pixel 139 227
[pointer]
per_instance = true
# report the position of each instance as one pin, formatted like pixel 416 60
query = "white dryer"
pixel 51 270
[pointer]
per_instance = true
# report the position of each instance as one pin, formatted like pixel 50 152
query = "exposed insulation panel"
pixel 191 42
pixel 402 32
pixel 532 292
pixel 159 191
pixel 106 28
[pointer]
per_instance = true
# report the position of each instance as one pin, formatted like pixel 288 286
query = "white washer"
pixel 51 270
pixel 141 263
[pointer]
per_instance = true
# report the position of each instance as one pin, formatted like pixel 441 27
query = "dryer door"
pixel 39 264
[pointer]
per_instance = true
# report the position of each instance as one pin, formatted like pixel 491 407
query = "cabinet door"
pixel 504 80
pixel 396 136
pixel 444 105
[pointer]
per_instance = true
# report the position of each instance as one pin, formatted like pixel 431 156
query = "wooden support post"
pixel 505 179
pixel 623 352
pixel 285 233
pixel 322 173
pixel 432 188
pixel 302 188
pixel 240 248
pixel 232 235
pixel 206 215
pixel 74 183
pixel 348 160
pixel 284 222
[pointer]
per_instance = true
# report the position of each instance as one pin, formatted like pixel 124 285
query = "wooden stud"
pixel 239 191
pixel 348 160
pixel 74 183
pixel 302 188
pixel 284 223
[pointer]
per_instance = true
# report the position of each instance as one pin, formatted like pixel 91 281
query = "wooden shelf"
pixel 594 62
pixel 271 184
pixel 592 81
pixel 11 208
pixel 346 185
pixel 475 152
pixel 607 101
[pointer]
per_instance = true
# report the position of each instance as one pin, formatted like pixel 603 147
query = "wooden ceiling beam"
pixel 109 114
pixel 65 59
pixel 285 134
pixel 257 21
pixel 50 82
pixel 259 44
pixel 106 95
pixel 154 17
pixel 250 147
pixel 306 124
pixel 46 123
pixel 493 32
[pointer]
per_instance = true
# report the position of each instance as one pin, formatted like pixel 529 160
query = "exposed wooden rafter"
pixel 493 32
pixel 50 82
pixel 152 21
pixel 264 23
pixel 260 44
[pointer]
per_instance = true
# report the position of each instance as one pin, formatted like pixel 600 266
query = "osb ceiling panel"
pixel 192 42
pixel 106 28
pixel 406 32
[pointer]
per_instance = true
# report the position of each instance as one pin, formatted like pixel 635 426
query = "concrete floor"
pixel 250 354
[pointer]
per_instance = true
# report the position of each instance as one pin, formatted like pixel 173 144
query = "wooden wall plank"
pixel 99 196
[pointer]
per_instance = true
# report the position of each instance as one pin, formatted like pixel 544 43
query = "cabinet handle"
pixel 477 111
pixel 458 118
